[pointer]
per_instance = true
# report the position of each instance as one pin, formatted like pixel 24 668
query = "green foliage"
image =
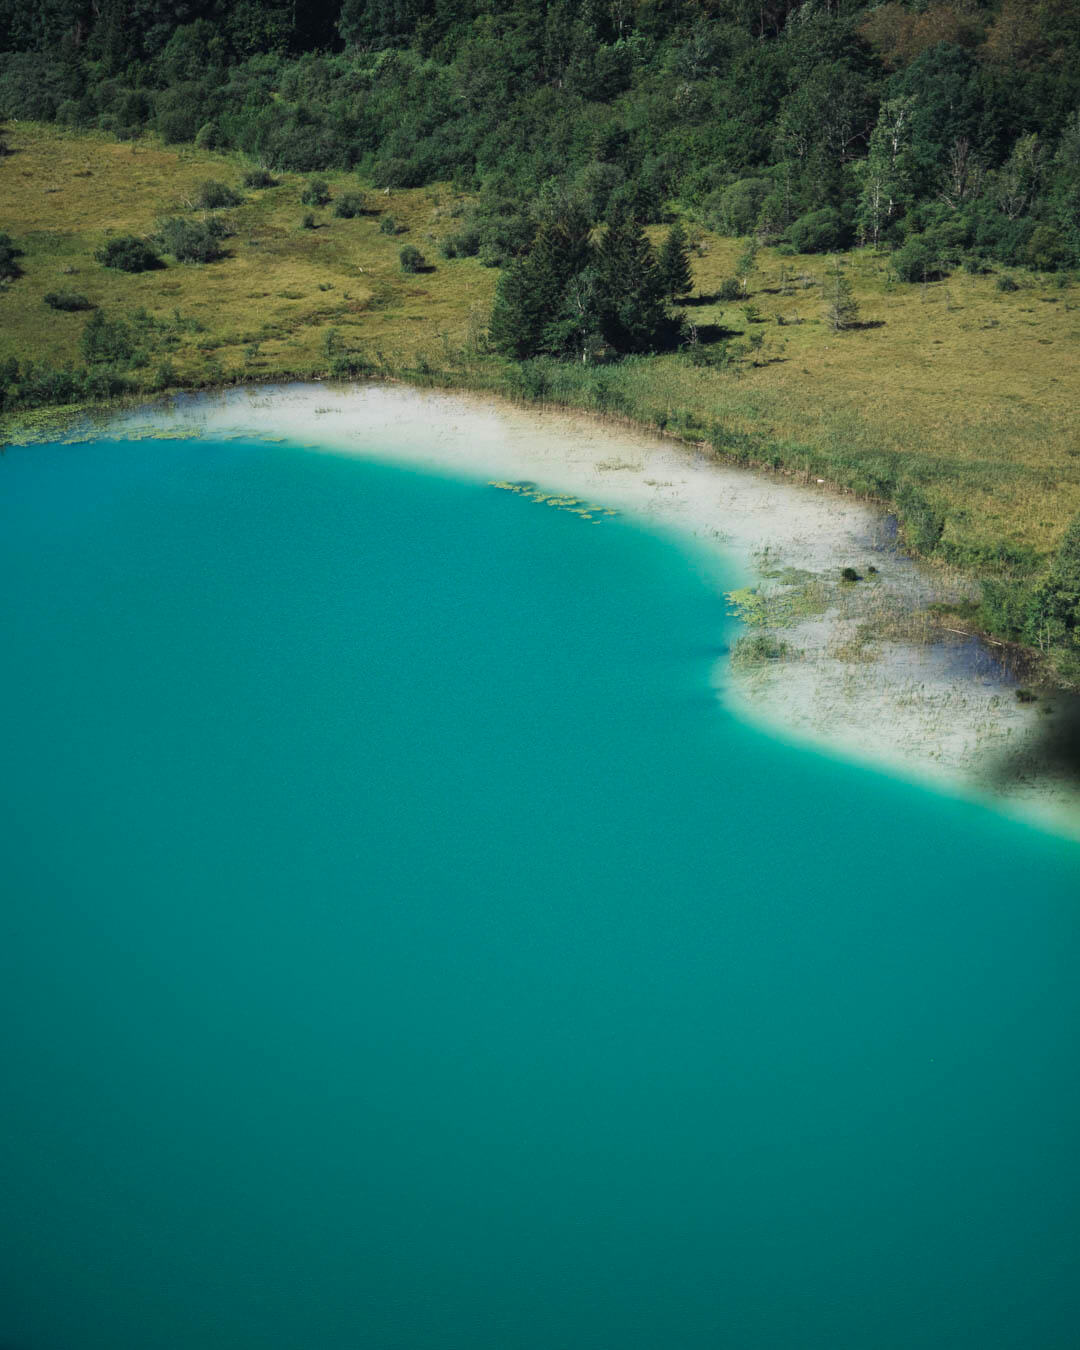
pixel 9 255
pixel 570 296
pixel 126 253
pixel 411 259
pixel 387 225
pixel 759 118
pixel 259 178
pixel 192 241
pixel 1055 609
pixel 819 231
pixel 918 260
pixel 841 307
pixel 108 341
pixel 67 300
pixel 674 263
pixel 735 209
pixel 316 192
pixel 213 195
pixel 922 524
pixel 307 221
pixel 350 205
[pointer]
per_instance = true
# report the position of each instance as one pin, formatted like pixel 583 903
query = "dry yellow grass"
pixel 976 387
pixel 62 195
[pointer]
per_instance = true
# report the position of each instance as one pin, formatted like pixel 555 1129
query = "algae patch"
pixel 576 506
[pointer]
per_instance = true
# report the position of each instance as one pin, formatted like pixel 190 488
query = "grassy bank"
pixel 954 401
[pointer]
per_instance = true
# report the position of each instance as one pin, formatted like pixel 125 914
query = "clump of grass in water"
pixel 759 649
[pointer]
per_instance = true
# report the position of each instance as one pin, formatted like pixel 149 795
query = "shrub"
pixel 9 267
pixel 316 192
pixel 388 225
pixel 918 260
pixel 1006 283
pixel 212 195
pixel 107 341
pixel 817 232
pixel 759 649
pixel 259 178
pixel 67 300
pixel 849 574
pixel 729 289
pixel 308 221
pixel 923 525
pixel 192 241
pixel 734 209
pixel 351 205
pixel 411 259
pixel 128 254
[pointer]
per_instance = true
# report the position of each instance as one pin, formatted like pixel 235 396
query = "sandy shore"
pixel 855 668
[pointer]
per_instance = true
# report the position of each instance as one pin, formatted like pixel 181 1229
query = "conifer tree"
pixel 537 306
pixel 841 307
pixel 674 263
pixel 630 295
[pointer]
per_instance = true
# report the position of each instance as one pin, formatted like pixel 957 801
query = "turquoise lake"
pixel 403 950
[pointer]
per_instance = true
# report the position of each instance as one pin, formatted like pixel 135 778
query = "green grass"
pixel 957 390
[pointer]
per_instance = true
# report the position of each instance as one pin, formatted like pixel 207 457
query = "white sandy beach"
pixel 857 675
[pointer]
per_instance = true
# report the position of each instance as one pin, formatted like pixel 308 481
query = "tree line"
pixel 949 131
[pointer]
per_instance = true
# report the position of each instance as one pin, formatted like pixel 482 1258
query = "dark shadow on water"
pixel 1055 753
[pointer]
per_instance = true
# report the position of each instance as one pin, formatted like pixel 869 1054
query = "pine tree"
pixel 536 306
pixel 631 305
pixel 674 263
pixel 841 307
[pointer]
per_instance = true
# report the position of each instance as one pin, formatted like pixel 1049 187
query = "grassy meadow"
pixel 961 389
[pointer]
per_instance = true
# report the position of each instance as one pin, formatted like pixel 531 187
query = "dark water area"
pixel 402 949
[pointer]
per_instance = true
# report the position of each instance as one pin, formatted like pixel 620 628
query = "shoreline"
pixel 856 669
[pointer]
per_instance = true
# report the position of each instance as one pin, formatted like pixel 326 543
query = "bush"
pixel 411 259
pixel 918 260
pixel 308 221
pixel 67 300
pixel 128 254
pixel 817 232
pixel 192 241
pixel 735 209
pixel 923 525
pixel 9 267
pixel 213 195
pixel 1006 283
pixel 729 289
pixel 351 205
pixel 316 192
pixel 388 225
pixel 259 178
pixel 107 341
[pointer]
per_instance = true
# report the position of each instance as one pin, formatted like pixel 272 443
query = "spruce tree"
pixel 674 263
pixel 841 307
pixel 631 305
pixel 537 307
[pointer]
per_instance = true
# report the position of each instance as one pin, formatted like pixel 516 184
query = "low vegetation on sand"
pixel 952 399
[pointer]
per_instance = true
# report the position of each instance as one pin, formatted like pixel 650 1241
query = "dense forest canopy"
pixel 949 131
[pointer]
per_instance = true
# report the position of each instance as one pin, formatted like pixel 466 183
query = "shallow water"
pixel 402 949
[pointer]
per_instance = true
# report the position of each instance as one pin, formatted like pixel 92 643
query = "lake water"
pixel 403 951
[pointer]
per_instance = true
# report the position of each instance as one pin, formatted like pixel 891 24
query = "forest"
pixel 948 132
